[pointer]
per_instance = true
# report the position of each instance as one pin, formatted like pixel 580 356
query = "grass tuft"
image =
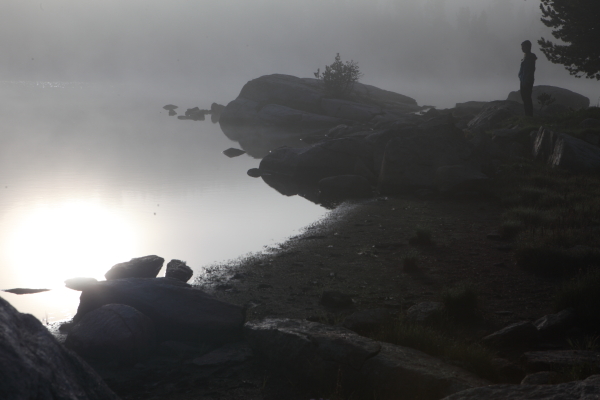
pixel 470 356
pixel 410 261
pixel 461 303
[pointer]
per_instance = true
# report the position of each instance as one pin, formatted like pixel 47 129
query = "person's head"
pixel 526 46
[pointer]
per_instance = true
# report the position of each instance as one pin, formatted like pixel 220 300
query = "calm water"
pixel 92 175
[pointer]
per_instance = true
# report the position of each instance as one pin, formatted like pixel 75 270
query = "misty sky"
pixel 437 51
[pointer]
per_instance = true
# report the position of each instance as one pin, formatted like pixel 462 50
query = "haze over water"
pixel 88 155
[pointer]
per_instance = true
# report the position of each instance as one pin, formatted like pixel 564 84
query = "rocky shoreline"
pixel 309 318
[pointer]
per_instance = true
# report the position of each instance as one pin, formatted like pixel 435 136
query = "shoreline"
pixel 358 251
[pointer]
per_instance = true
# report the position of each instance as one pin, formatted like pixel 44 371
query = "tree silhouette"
pixel 577 24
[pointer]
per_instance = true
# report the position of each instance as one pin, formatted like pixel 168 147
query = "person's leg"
pixel 526 92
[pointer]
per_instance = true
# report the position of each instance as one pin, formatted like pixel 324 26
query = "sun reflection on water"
pixel 60 241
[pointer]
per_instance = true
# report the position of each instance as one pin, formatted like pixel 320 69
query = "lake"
pixel 92 175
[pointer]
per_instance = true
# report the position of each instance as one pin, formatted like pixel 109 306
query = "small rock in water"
pixel 172 113
pixel 170 107
pixel 254 172
pixel 25 291
pixel 231 152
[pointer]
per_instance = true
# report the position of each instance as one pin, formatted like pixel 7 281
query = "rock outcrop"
pixel 580 390
pixel 323 355
pixel 178 310
pixel 34 365
pixel 565 151
pixel 113 332
pixel 562 97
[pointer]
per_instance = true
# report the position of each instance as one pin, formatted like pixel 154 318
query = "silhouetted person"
pixel 526 77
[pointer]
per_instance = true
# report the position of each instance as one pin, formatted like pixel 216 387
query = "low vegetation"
pixel 422 237
pixel 582 294
pixel 470 356
pixel 554 217
pixel 339 77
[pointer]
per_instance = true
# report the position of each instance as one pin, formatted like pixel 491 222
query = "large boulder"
pixel 575 155
pixel 324 354
pixel 141 267
pixel 285 100
pixel 178 310
pixel 113 332
pixel 34 365
pixel 563 97
pixel 322 160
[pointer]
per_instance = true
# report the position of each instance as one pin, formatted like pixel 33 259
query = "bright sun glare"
pixel 54 243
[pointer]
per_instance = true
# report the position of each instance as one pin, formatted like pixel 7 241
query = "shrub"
pixel 511 228
pixel 410 261
pixel 582 294
pixel 339 77
pixel 422 238
pixel 545 99
pixel 460 302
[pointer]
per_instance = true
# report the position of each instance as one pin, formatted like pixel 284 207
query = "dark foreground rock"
pixel 141 267
pixel 588 389
pixel 323 355
pixel 34 365
pixel 178 310
pixel 561 360
pixel 515 335
pixel 114 332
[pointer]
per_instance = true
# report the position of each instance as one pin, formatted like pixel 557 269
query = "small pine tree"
pixel 544 100
pixel 339 77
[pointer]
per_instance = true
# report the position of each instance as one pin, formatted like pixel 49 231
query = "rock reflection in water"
pixel 258 141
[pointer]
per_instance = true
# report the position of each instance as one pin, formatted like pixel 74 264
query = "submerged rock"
pixel 170 107
pixel 25 291
pixel 231 152
pixel 34 365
